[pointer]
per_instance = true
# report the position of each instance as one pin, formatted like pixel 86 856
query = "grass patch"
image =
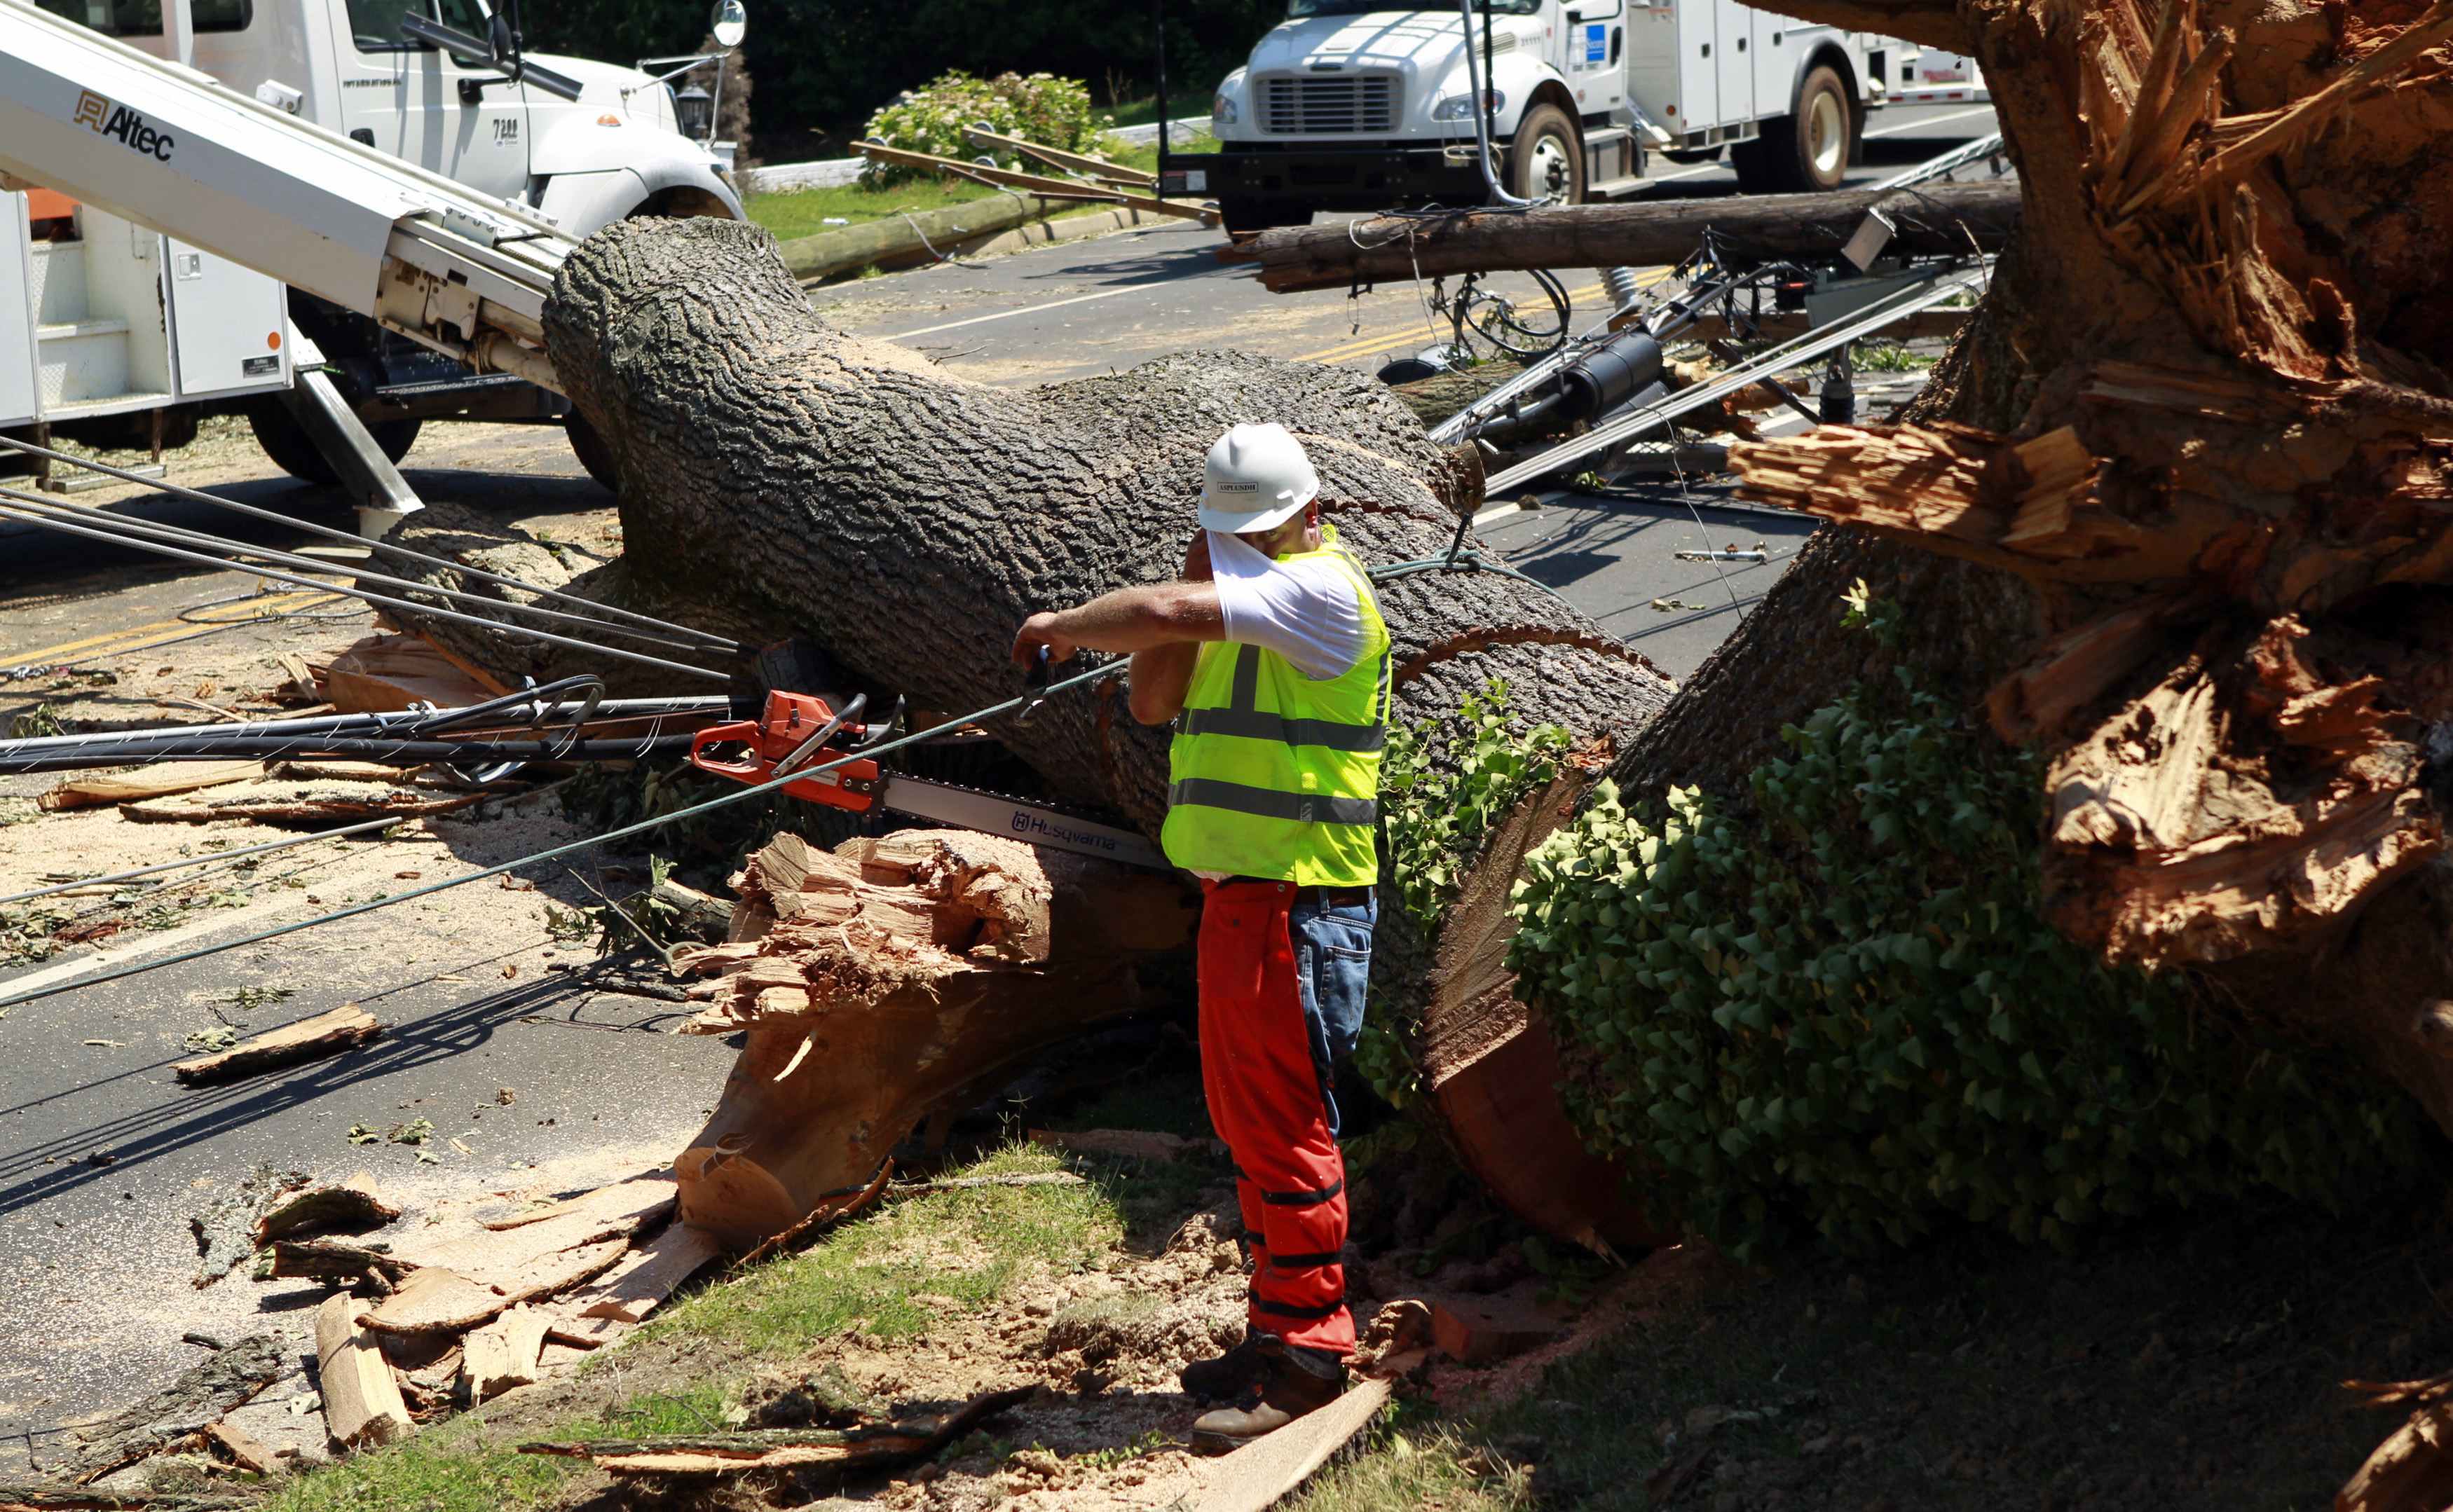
pixel 895 1274
pixel 443 1469
pixel 1441 1468
pixel 804 212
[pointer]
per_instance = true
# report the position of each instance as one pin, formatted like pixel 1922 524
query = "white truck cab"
pixel 1356 104
pixel 583 143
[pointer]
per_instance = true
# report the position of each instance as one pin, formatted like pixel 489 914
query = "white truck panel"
pixel 123 283
pixel 1733 60
pixel 228 326
pixel 16 319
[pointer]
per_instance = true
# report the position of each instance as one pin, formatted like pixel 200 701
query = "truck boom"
pixel 170 149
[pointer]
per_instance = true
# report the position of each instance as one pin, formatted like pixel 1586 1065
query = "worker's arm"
pixel 1162 625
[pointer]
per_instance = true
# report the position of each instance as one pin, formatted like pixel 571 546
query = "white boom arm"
pixel 168 148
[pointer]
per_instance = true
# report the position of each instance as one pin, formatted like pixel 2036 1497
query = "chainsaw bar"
pixel 996 814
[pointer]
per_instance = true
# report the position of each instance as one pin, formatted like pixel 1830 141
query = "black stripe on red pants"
pixel 1265 1101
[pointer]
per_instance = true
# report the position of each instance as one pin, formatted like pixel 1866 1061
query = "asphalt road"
pixel 104 1156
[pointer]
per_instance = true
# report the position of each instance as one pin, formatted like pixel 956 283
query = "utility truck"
pixel 117 335
pixel 1357 105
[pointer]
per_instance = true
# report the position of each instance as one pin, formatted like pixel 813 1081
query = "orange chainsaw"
pixel 800 729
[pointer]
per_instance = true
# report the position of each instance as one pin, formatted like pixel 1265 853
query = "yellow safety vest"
pixel 1274 775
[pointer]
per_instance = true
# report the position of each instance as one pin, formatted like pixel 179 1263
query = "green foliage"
pixel 1038 107
pixel 37 722
pixel 1843 1014
pixel 1442 784
pixel 445 1469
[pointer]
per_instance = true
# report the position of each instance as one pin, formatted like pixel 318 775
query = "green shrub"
pixel 1442 784
pixel 1038 107
pixel 1839 1012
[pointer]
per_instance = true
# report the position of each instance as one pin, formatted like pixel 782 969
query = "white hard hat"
pixel 1257 477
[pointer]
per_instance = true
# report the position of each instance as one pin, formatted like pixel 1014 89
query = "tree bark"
pixel 1938 219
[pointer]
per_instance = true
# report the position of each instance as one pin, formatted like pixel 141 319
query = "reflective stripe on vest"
pixel 1275 775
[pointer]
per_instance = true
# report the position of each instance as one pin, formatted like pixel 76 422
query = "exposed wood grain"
pixel 91 789
pixel 502 1355
pixel 435 1300
pixel 342 1028
pixel 362 1404
pixel 640 1281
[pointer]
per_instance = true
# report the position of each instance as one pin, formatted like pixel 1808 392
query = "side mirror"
pixel 729 22
pixel 506 42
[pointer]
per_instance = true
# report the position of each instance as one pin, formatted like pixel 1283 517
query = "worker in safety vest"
pixel 1271 655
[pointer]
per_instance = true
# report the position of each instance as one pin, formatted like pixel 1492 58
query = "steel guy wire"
pixel 182 535
pixel 9 513
pixel 180 490
pixel 551 853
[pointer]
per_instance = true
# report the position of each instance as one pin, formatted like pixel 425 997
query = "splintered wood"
pixel 711 1456
pixel 344 1029
pixel 883 977
pixel 362 1403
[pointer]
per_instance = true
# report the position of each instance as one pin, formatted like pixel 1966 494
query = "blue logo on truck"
pixel 1594 45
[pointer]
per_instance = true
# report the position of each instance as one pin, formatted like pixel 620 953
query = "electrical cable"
pixel 501 868
pixel 179 490
pixel 108 539
pixel 183 536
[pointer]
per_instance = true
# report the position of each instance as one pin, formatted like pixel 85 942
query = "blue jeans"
pixel 1332 946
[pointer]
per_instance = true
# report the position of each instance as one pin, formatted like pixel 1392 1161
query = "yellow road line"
pixel 303 600
pixel 1366 345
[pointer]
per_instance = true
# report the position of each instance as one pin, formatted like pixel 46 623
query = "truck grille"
pixel 1346 104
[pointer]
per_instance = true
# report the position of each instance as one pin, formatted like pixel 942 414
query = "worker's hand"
pixel 1038 630
pixel 1196 559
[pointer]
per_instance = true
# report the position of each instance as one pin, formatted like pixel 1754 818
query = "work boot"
pixel 1227 1377
pixel 1293 1380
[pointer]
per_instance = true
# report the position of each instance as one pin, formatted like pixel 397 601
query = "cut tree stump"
pixel 362 1404
pixel 1933 219
pixel 888 977
pixel 343 1028
pixel 502 1355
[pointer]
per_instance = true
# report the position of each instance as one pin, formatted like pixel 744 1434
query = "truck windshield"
pixel 1298 10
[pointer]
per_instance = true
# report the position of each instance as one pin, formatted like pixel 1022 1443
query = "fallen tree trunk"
pixel 785 476
pixel 1936 220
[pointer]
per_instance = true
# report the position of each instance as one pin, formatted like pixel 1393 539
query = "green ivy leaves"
pixel 1835 1014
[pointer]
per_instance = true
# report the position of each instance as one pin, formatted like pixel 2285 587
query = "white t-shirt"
pixel 1306 612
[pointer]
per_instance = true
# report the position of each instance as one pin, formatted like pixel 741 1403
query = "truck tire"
pixel 1237 216
pixel 291 450
pixel 1546 159
pixel 589 448
pixel 1809 150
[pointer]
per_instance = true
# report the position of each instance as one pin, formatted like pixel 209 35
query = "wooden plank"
pixel 361 1406
pixel 1035 182
pixel 93 790
pixel 435 1300
pixel 1256 1476
pixel 287 802
pixel 1082 163
pixel 562 1270
pixel 243 1450
pixel 343 1028
pixel 381 673
pixel 641 1199
pixel 640 1281
pixel 502 1355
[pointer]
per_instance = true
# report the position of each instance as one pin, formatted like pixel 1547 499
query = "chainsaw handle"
pixel 743 733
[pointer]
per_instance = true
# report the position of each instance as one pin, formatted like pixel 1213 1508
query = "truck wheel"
pixel 1546 160
pixel 591 451
pixel 1809 151
pixel 1237 216
pixel 286 444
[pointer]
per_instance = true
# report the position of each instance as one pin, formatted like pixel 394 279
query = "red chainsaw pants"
pixel 1265 1049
